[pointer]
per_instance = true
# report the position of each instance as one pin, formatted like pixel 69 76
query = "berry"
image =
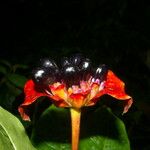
pixel 65 62
pixel 48 63
pixel 85 64
pixel 85 69
pixel 69 70
pixel 44 76
pixel 69 74
pixel 76 59
pixel 101 72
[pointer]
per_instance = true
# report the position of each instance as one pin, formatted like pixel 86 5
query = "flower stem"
pixel 75 121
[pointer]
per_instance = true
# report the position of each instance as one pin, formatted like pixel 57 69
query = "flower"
pixel 75 84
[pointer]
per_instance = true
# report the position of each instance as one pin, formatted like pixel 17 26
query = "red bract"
pixel 87 93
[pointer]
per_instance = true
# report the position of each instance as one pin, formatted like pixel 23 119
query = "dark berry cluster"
pixel 71 72
pixel 75 69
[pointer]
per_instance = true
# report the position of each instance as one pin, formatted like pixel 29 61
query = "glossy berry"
pixel 76 59
pixel 69 74
pixel 44 76
pixel 85 64
pixel 101 72
pixel 48 63
pixel 69 70
pixel 65 62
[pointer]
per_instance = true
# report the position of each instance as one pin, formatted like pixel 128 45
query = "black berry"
pixel 101 72
pixel 85 64
pixel 69 74
pixel 47 63
pixel 44 76
pixel 65 62
pixel 76 59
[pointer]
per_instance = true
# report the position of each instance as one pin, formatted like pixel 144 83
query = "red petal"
pixel 128 104
pixel 116 88
pixel 59 91
pixel 61 103
pixel 31 95
pixel 77 100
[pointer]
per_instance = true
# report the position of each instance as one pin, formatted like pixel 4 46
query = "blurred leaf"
pixel 5 62
pixel 3 70
pixel 12 89
pixel 12 133
pixel 17 80
pixel 19 66
pixel 100 130
pixel 8 95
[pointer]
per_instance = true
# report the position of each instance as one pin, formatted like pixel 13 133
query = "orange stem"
pixel 75 121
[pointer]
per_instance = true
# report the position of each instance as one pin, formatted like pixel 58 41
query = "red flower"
pixel 76 85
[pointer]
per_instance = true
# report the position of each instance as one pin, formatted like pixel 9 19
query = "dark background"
pixel 113 32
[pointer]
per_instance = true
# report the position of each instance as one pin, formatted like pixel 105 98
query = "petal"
pixel 31 95
pixel 61 103
pixel 85 86
pixel 94 90
pixel 77 100
pixel 92 99
pixel 32 92
pixel 116 88
pixel 59 91
pixel 127 105
pixel 76 89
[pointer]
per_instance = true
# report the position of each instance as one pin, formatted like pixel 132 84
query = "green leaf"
pixel 19 66
pixel 5 62
pixel 3 70
pixel 8 95
pixel 100 130
pixel 12 133
pixel 17 80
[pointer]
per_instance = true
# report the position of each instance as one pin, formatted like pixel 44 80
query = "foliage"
pixel 12 133
pixel 96 131
pixel 11 83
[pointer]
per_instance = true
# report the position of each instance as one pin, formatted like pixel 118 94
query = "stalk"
pixel 75 123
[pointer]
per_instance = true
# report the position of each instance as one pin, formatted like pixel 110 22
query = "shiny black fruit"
pixel 44 76
pixel 65 62
pixel 69 70
pixel 76 59
pixel 85 69
pixel 69 74
pixel 47 63
pixel 101 72
pixel 85 64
